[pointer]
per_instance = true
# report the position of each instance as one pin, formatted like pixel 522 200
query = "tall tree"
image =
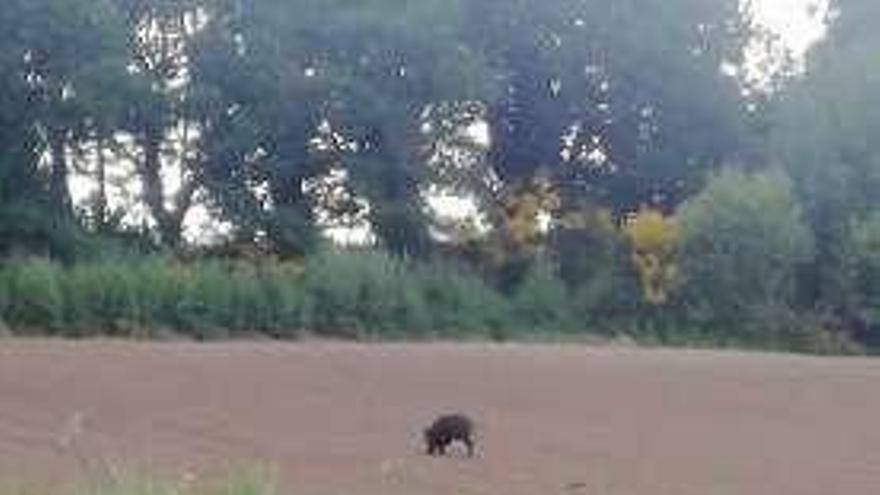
pixel 61 65
pixel 157 114
pixel 825 134
pixel 364 72
pixel 623 101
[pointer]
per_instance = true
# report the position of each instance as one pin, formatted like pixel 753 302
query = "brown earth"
pixel 345 419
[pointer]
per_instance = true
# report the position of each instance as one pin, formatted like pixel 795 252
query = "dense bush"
pixel 132 296
pixel 33 296
pixel 542 302
pixel 865 273
pixel 594 261
pixel 366 293
pixel 742 242
pixel 461 303
pixel 370 295
pixel 355 294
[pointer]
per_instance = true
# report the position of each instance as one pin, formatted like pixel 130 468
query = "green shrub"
pixel 742 242
pixel 363 293
pixel 207 306
pixel 159 286
pixel 33 293
pixel 864 267
pixel 374 295
pixel 460 303
pixel 126 296
pixel 594 262
pixel 282 299
pixel 541 302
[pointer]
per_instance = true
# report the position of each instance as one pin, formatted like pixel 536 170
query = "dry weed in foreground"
pixel 251 480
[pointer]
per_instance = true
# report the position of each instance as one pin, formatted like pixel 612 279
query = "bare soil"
pixel 346 419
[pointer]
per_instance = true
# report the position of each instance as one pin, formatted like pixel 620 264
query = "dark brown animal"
pixel 447 429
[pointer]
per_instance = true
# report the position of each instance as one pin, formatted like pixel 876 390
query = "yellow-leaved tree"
pixel 528 209
pixel 653 237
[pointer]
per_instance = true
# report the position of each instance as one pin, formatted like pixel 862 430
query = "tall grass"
pixel 365 295
pixel 140 296
pixel 357 294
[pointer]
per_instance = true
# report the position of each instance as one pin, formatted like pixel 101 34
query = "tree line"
pixel 623 172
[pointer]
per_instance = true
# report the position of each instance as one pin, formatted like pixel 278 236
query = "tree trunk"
pixel 100 208
pixel 154 190
pixel 58 188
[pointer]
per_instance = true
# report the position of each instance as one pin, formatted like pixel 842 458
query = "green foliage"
pixel 865 270
pixel 136 297
pixel 541 302
pixel 34 296
pixel 824 133
pixel 866 242
pixel 638 82
pixel 373 295
pixel 361 294
pixel 461 303
pixel 653 238
pixel 594 262
pixel 370 294
pixel 364 294
pixel 366 70
pixel 97 298
pixel 596 111
pixel 742 241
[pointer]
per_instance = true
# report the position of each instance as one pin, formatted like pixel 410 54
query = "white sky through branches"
pixel 798 24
